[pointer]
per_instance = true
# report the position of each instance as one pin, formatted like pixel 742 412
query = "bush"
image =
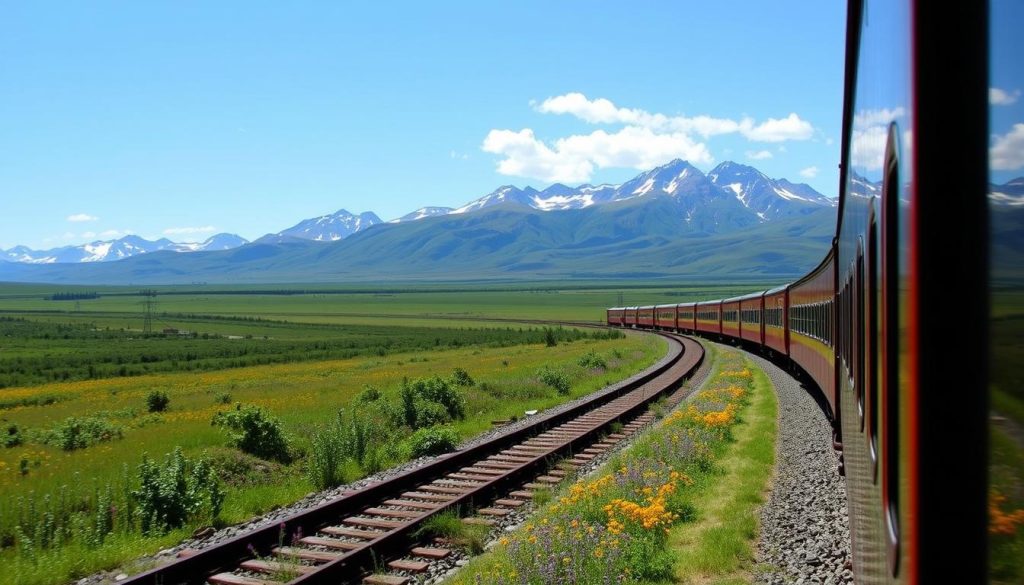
pixel 157 401
pixel 222 398
pixel 175 492
pixel 591 360
pixel 429 414
pixel 254 431
pixel 436 389
pixel 79 433
pixel 554 378
pixel 433 441
pixel 549 337
pixel 13 438
pixel 461 377
pixel 369 394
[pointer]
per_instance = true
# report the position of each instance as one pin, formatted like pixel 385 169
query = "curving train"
pixel 892 323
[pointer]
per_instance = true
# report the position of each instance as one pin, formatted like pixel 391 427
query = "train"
pixel 891 325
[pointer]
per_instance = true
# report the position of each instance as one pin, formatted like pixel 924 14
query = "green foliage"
pixel 222 398
pixel 369 394
pixel 591 360
pixel 157 401
pixel 549 337
pixel 557 379
pixel 461 377
pixel 13 438
pixel 81 432
pixel 433 441
pixel 429 414
pixel 175 492
pixel 358 438
pixel 254 431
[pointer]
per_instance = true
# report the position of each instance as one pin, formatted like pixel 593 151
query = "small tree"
pixel 254 431
pixel 157 401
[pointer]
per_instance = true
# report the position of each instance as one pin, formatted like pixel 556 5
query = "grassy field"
pixel 1006 453
pixel 78 377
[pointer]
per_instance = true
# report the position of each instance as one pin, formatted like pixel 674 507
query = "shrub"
pixel 591 360
pixel 222 398
pixel 554 378
pixel 436 389
pixel 433 441
pixel 254 431
pixel 461 377
pixel 79 433
pixel 13 438
pixel 157 401
pixel 369 394
pixel 429 414
pixel 549 337
pixel 175 492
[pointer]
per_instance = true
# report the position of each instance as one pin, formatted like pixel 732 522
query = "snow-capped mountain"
pixel 1009 194
pixel 110 250
pixel 768 198
pixel 330 228
pixel 422 213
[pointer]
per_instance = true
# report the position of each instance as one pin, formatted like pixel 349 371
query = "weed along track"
pixel 374 534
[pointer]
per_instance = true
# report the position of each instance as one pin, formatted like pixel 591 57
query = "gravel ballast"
pixel 805 533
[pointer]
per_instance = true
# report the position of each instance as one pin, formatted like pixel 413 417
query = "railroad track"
pixel 353 534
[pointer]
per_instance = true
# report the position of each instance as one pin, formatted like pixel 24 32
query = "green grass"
pixel 718 546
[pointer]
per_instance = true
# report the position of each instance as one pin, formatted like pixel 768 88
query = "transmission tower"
pixel 147 312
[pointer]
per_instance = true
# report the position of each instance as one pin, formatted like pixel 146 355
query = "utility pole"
pixel 149 303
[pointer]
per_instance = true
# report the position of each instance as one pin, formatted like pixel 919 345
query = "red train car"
pixel 629 317
pixel 752 317
pixel 665 317
pixel 731 317
pixel 686 319
pixel 645 316
pixel 811 326
pixel 614 316
pixel 775 317
pixel 709 317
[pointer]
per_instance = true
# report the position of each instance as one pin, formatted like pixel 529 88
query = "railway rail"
pixel 349 536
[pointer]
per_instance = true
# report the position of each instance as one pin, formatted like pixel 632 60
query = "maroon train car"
pixel 811 326
pixel 629 317
pixel 731 317
pixel 615 315
pixel 752 317
pixel 709 316
pixel 645 316
pixel 775 318
pixel 665 317
pixel 686 319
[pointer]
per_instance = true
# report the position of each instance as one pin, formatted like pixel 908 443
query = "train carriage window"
pixel 872 353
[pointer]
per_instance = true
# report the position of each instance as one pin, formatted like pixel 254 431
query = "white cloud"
pixel 868 147
pixel 865 119
pixel 1000 97
pixel 88 235
pixel 68 236
pixel 458 155
pixel 645 140
pixel 1007 152
pixel 575 158
pixel 759 155
pixel 779 130
pixel 809 172
pixel 604 111
pixel 115 233
pixel 178 231
pixel 79 217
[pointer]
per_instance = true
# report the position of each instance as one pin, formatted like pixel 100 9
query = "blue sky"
pixel 181 119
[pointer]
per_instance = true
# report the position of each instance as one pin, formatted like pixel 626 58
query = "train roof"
pixel 670 305
pixel 616 308
pixel 716 302
pixel 746 297
pixel 778 289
